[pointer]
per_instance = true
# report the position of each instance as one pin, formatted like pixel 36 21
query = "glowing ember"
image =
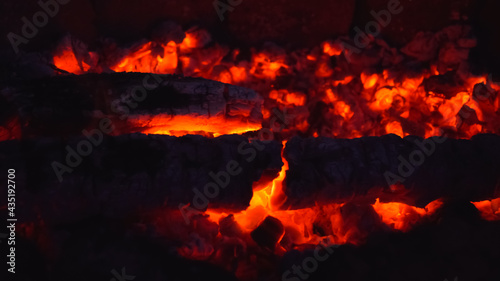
pixel 358 102
pixel 401 216
pixel 489 209
pixel 143 59
pixel 67 61
pixel 327 99
pixel 179 125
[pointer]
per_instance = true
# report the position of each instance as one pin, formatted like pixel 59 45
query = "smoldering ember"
pixel 250 140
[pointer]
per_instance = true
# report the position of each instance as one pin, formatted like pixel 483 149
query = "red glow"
pixel 489 209
pixel 354 103
pixel 66 60
pixel 179 125
pixel 401 216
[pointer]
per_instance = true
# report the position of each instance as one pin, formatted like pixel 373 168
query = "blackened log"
pixel 324 170
pixel 135 102
pixel 128 173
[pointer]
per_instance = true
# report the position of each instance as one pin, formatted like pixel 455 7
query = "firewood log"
pixel 135 102
pixel 409 170
pixel 61 180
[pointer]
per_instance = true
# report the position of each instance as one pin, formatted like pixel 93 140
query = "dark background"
pixel 292 23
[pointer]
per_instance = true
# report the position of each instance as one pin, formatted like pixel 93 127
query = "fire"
pixel 401 216
pixel 489 209
pixel 267 201
pixel 143 59
pixel 67 61
pixel 327 99
pixel 358 102
pixel 394 128
pixel 332 49
pixel 369 80
pixel 301 223
pixel 179 125
pixel 285 97
pixel 265 67
pixel 264 202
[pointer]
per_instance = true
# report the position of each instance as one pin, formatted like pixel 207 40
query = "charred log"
pixel 129 173
pixel 409 170
pixel 135 102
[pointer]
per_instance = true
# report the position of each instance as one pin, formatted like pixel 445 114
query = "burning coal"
pixel 328 186
pixel 424 89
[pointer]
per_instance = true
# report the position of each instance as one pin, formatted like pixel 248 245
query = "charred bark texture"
pixel 324 170
pixel 128 173
pixel 65 105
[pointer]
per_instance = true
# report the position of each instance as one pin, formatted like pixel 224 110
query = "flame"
pixel 360 103
pixel 301 222
pixel 66 60
pixel 352 103
pixel 264 202
pixel 267 201
pixel 489 209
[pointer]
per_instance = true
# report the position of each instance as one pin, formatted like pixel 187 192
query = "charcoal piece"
pixel 268 233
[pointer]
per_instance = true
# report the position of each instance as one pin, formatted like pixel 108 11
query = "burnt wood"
pixel 65 105
pixel 125 174
pixel 324 170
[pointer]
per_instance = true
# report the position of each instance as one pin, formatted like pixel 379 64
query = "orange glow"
pixel 369 81
pixel 330 96
pixel 67 61
pixel 344 81
pixel 332 49
pixel 189 42
pixel 383 99
pixel 267 201
pixel 287 98
pixel 324 70
pixel 450 108
pixel 351 103
pixel 343 109
pixel 167 63
pixel 394 128
pixel 179 125
pixel 489 209
pixel 401 216
pixel 264 202
pixel 264 67
pixel 142 59
pixel 370 102
pixel 238 74
pixel 137 61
